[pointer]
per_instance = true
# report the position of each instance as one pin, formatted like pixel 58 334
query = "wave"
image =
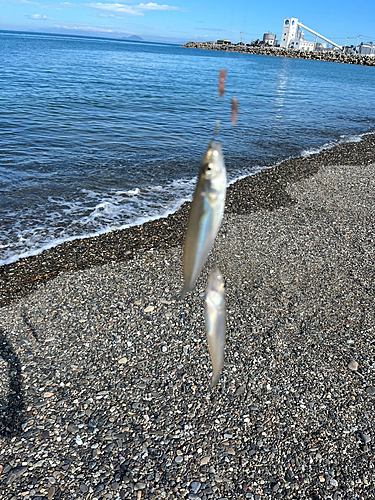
pixel 95 213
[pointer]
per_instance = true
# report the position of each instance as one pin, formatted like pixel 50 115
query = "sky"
pixel 180 21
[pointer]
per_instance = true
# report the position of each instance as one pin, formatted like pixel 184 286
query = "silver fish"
pixel 205 215
pixel 215 322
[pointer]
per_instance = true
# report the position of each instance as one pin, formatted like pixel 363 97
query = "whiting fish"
pixel 215 322
pixel 221 84
pixel 205 215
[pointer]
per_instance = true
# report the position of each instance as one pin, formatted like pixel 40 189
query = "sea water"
pixel 99 134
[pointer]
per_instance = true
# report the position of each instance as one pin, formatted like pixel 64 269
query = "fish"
pixel 221 82
pixel 234 112
pixel 215 322
pixel 205 215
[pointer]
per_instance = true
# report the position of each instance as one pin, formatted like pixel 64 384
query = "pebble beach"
pixel 105 372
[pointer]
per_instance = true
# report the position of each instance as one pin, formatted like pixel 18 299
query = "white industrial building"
pixel 367 49
pixel 269 39
pixel 292 37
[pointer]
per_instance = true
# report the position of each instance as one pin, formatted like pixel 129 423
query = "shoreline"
pixel 266 189
pixel 337 57
pixel 105 387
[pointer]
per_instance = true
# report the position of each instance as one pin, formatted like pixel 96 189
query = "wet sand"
pixel 265 190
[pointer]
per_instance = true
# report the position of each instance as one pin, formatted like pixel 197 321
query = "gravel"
pixel 82 355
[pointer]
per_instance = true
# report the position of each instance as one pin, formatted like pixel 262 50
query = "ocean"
pixel 100 134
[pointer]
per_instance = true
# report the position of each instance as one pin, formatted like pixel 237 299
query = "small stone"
pixel 137 302
pixel 195 486
pixel 353 366
pixel 334 483
pixel 205 460
pixel 365 438
pixel 164 348
pixel 149 309
pixel 122 361
pixel 140 486
pixel 51 492
pixel 83 488
pixel 231 451
pixel 179 459
pixel 115 486
pixel 370 390
pixel 139 494
pixel 48 394
pixel 15 474
pixel 240 390
pixel 78 440
pixel 321 479
pixel 72 428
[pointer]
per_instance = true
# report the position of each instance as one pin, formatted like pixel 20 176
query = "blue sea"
pixel 100 134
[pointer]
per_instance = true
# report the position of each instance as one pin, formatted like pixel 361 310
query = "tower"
pixel 289 31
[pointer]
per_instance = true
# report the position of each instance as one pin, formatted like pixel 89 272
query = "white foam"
pixel 95 213
pixel 329 145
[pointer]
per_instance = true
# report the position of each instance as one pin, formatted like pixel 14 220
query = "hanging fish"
pixel 215 322
pixel 234 111
pixel 221 83
pixel 206 212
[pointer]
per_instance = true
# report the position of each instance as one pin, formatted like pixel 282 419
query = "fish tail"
pixel 214 380
pixel 184 291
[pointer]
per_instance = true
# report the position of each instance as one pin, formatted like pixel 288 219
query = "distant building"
pixel 367 49
pixel 302 45
pixel 269 39
pixel 289 31
pixel 224 42
pixel 320 46
pixel 292 36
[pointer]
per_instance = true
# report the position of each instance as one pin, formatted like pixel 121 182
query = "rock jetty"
pixel 339 57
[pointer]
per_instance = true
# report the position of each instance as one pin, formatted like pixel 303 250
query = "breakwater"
pixel 338 57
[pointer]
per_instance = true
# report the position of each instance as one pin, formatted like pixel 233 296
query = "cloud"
pixel 21 2
pixel 130 10
pixel 90 29
pixel 37 17
pixel 117 8
pixel 155 6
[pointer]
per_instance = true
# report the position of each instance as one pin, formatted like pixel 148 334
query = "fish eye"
pixel 208 168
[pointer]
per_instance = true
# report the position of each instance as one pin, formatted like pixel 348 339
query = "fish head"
pixel 213 161
pixel 215 290
pixel 213 171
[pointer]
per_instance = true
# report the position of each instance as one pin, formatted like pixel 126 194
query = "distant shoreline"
pixel 338 57
pixel 265 190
